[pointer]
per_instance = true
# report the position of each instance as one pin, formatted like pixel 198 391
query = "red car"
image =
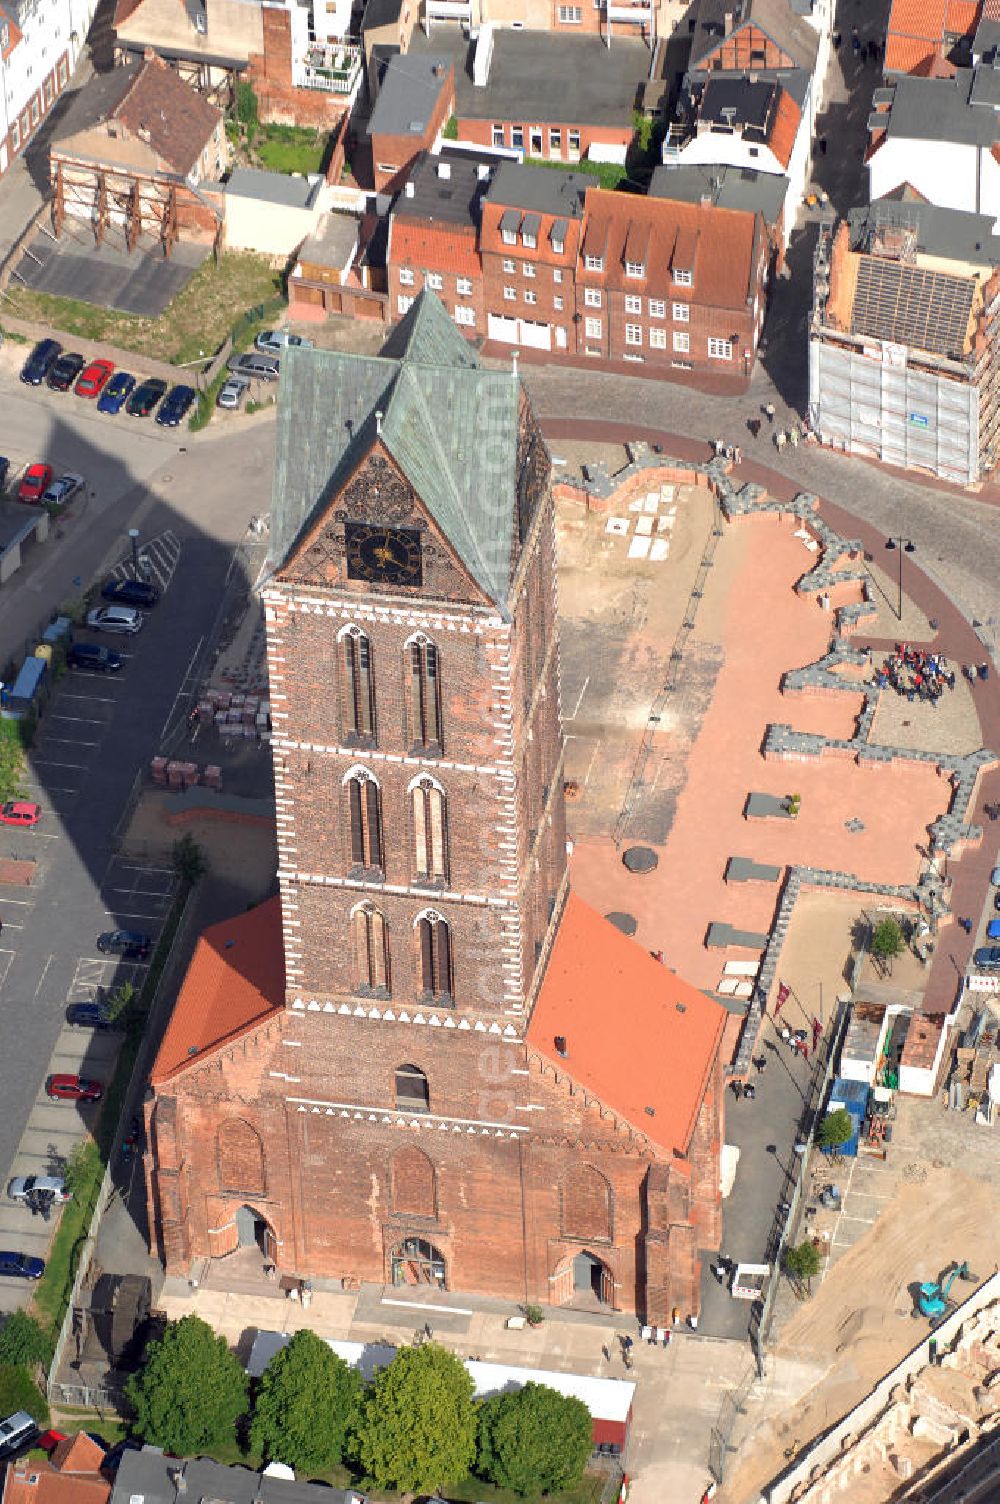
pixel 19 812
pixel 93 379
pixel 73 1089
pixel 49 1440
pixel 37 479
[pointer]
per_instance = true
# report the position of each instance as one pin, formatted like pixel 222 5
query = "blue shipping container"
pixel 21 697
pixel 853 1095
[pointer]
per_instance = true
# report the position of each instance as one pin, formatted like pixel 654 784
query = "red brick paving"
pixel 675 905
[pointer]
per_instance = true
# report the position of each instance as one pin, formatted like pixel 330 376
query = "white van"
pixel 17 1432
pixel 115 619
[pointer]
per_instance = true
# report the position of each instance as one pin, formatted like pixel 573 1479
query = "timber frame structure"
pixel 136 204
pixel 215 78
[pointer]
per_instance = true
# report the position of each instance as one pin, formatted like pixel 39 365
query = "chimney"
pixel 728 22
pixel 444 169
pixel 409 190
pixel 483 171
pixel 513 363
pixel 706 201
pixel 561 1046
pixel 378 420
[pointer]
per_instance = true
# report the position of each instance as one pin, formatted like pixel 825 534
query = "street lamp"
pixel 133 533
pixel 905 547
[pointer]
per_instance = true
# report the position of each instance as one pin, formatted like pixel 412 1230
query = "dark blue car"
pixel 21 1266
pixel 175 405
pixel 87 1016
pixel 116 393
pixel 40 362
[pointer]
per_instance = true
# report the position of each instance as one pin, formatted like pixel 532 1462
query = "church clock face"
pixel 383 555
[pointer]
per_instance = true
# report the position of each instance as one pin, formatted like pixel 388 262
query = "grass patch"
pixel 477 1491
pixel 608 174
pixel 18 1391
pixel 194 325
pixel 53 1290
pixel 290 148
pixel 11 760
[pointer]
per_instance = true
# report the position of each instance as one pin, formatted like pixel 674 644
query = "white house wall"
pixel 945 173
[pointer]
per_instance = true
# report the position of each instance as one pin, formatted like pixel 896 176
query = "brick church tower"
pixel 427 1062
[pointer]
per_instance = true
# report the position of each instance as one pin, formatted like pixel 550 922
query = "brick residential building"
pixel 671 284
pixel 416 95
pixel 71 1474
pixel 427 1062
pixel 530 245
pixel 434 237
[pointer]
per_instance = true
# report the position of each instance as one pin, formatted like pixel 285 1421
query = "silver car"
pixel 273 341
pixel 63 489
pixel 115 619
pixel 22 1186
pixel 254 364
pixel 232 392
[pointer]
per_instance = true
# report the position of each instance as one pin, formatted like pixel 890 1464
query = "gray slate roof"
pixel 99 97
pixel 953 234
pixel 728 188
pixel 547 190
pixel 152 1477
pixel 939 109
pixel 408 94
pixel 450 425
pixel 272 187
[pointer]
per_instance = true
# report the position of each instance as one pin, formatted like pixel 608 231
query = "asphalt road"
pixel 191 502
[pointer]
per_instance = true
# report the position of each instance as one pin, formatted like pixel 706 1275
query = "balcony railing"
pixel 335 67
pixel 638 14
pixel 449 10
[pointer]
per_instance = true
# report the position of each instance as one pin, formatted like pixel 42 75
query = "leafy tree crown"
pixel 190 1391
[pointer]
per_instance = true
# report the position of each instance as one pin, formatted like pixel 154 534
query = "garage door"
pixel 499 327
pixel 535 336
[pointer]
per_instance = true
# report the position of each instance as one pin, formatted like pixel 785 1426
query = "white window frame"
pixel 592 297
pixel 682 342
pixel 633 334
pixel 557 272
pixel 555 142
pixel 407 277
pixel 657 308
pixel 719 349
pixel 681 313
pixel 530 295
pixel 593 263
pixel 592 328
pixel 15 135
pixel 633 304
pixel 509 264
pixel 557 304
pixel 530 242
pixel 463 286
pixel 510 294
pixel 527 268
pixel 635 269
pixel 573 142
pixel 683 278
pixel 570 15
pixel 499 136
pixel 517 137
pixel 509 237
pixel 434 281
pixel 657 339
pixel 465 315
pixel 403 303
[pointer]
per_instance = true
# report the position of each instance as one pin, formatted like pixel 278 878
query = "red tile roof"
pixel 72 1475
pixel 491 239
pixel 907 54
pixel 445 248
pixel 637 1036
pixel 784 127
pixel 961 17
pixel 716 244
pixel 235 980
pixel 13 35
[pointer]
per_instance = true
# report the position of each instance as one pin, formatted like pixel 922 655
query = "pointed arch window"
pixel 371 949
pixel 434 939
pixel 365 818
pixel 359 685
pixel 430 833
pixel 424 672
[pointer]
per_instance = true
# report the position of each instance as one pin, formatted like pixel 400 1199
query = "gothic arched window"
pixel 434 938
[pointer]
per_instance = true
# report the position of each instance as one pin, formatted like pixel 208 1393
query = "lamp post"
pixel 133 533
pixel 903 546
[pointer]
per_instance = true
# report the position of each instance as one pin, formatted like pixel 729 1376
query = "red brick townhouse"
pixel 671 284
pixel 415 98
pixel 434 234
pixel 529 243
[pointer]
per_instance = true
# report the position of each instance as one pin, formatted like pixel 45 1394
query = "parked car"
pixel 175 405
pixel 20 812
pixel 65 370
pixel 255 365
pixel 19 1431
pixel 145 397
pixel 34 483
pixel 94 378
pixel 275 340
pixel 91 655
pixel 20 1266
pixel 4 472
pixel 88 1016
pixel 65 1088
pixel 993 930
pixel 40 362
pixel 63 490
pixel 130 592
pixel 131 945
pixel 232 392
pixel 115 394
pixel 115 619
pixel 22 1186
pixel 995 877
pixel 987 958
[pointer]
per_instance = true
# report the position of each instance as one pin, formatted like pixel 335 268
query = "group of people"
pixel 916 674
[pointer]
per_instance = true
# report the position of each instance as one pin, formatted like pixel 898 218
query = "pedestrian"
pixel 737 455
pixel 769 411
pixel 984 671
pixel 750 1091
pixel 793 434
pixel 606 1353
pixel 966 925
pixel 737 1089
pixel 993 810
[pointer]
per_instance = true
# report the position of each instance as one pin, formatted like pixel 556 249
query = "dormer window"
pixel 593 263
pixel 509 237
pixel 558 247
pixel 634 269
pixel 682 278
pixel 529 242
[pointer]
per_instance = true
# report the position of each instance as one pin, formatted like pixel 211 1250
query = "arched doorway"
pixel 254 1231
pixel 417 1262
pixel 584 1282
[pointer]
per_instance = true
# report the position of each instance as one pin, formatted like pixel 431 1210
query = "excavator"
pixel 932 1297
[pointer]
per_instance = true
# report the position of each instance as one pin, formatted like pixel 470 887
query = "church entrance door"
pixel 254 1231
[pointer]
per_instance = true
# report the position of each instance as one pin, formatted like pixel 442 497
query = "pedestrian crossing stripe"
pixel 158 559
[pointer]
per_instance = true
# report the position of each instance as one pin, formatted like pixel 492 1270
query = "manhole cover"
pixel 641 859
pixel 624 922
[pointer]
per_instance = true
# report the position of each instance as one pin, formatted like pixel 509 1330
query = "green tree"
pixel 246 105
pixel 23 1342
pixel 190 862
pixel 418 1425
pixel 802 1264
pixel 835 1130
pixel 18 1391
pixel 534 1441
pixel 886 943
pixel 82 1168
pixel 307 1401
pixel 118 1001
pixel 190 1391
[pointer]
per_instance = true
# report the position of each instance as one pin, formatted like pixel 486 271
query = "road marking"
pixel 131 867
pixel 181 690
pixel 67 694
pixel 44 788
pixel 28 903
pixel 5 964
pixel 68 741
pixel 48 762
pixel 83 720
pixel 41 979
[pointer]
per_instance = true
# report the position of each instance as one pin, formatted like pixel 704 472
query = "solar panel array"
pixel 906 305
